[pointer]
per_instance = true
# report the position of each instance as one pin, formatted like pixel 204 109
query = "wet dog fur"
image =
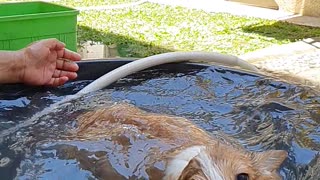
pixel 192 152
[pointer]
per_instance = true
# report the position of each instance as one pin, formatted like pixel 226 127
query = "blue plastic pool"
pixel 261 113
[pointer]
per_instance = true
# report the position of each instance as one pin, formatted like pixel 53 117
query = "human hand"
pixel 48 62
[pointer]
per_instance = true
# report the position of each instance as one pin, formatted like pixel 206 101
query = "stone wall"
pixel 311 8
pixel 259 3
pixel 303 7
pixel 291 6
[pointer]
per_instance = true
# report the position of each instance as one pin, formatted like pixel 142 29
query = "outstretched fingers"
pixel 70 55
pixel 67 54
pixel 59 47
pixel 66 65
pixel 60 73
pixel 65 70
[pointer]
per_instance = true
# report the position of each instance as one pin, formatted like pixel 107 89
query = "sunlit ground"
pixel 149 29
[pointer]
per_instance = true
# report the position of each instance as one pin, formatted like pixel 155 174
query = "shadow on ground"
pixel 126 46
pixel 283 31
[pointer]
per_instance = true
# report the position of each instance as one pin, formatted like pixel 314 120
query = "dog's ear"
pixel 192 171
pixel 269 161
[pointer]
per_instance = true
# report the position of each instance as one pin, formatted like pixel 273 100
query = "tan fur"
pixel 177 133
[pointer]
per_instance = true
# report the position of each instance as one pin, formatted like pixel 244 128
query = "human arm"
pixel 46 62
pixel 10 68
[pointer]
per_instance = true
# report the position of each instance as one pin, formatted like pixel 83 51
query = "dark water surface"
pixel 260 113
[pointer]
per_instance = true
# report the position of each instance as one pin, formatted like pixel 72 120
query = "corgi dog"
pixel 186 151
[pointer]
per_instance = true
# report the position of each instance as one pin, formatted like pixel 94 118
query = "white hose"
pixel 155 60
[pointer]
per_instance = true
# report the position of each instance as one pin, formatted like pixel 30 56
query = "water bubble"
pixel 4 161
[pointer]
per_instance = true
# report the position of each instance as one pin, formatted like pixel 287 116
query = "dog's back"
pixel 125 118
pixel 174 147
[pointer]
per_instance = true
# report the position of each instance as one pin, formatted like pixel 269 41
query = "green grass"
pixel 150 29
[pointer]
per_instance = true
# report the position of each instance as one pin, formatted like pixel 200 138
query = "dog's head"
pixel 219 162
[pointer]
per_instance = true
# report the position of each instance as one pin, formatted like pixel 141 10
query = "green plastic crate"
pixel 25 22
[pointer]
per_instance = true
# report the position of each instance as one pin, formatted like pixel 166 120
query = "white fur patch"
pixel 209 168
pixel 180 161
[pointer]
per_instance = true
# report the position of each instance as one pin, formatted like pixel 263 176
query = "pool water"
pixel 260 113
